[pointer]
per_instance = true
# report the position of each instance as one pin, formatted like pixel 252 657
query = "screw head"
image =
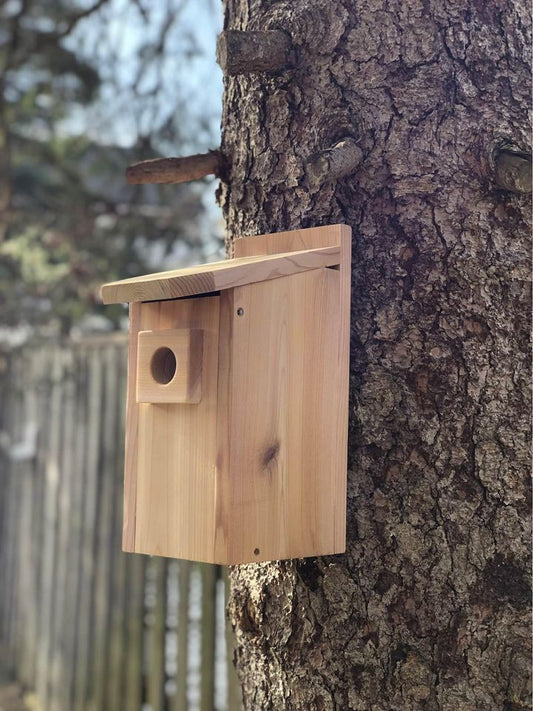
pixel 240 311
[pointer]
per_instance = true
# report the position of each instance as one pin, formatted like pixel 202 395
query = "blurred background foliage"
pixel 86 88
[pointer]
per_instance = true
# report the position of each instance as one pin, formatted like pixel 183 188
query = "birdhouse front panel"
pixel 237 402
pixel 170 456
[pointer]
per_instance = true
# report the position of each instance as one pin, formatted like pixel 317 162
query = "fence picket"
pixel 180 698
pixel 58 660
pixel 156 672
pixel 103 552
pixel 12 493
pixel 13 626
pixel 5 408
pixel 234 689
pixel 207 687
pixel 135 575
pixel 74 579
pixel 52 478
pixel 84 617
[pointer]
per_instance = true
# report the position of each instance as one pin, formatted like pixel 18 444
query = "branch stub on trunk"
pixel 333 163
pixel 266 51
pixel 512 172
pixel 175 170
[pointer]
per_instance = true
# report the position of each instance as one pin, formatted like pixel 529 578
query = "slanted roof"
pixel 217 276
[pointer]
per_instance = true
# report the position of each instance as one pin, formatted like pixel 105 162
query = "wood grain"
pixel 257 470
pixel 283 464
pixel 293 241
pixel 207 278
pixel 132 426
pixel 172 458
pixel 337 359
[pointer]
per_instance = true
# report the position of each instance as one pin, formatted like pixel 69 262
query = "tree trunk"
pixel 428 608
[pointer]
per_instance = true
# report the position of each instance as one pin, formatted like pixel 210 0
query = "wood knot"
pixel 270 454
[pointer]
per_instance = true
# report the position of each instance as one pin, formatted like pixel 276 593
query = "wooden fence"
pixel 84 626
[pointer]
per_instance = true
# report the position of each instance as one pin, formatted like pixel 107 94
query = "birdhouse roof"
pixel 207 278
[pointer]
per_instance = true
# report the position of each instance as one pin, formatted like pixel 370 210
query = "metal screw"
pixel 240 312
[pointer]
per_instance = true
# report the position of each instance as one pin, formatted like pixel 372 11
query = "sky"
pixel 183 81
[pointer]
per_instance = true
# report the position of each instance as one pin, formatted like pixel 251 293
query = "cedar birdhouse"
pixel 237 412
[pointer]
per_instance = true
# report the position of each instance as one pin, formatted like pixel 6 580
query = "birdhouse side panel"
pixel 281 441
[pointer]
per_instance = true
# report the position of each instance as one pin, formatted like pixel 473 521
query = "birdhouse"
pixel 237 402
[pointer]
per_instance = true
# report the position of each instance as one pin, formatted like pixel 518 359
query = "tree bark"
pixel 428 608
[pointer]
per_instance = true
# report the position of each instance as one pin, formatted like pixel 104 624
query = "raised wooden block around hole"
pixel 169 369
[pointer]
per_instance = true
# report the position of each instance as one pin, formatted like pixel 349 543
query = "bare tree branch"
pixel 175 170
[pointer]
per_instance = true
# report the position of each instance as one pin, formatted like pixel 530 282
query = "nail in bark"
pixel 333 163
pixel 175 170
pixel 247 52
pixel 512 171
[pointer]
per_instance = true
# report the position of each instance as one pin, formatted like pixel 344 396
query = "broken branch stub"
pixel 333 163
pixel 255 51
pixel 175 170
pixel 512 172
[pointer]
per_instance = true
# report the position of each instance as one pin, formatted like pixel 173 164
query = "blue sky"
pixel 184 81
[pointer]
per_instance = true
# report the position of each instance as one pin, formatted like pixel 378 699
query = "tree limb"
pixel 175 170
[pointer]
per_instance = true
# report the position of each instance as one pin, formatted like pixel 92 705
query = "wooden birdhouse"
pixel 237 412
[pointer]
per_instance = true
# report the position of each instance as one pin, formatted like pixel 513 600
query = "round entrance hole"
pixel 163 366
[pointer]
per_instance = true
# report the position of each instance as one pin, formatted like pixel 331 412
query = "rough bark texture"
pixel 428 608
